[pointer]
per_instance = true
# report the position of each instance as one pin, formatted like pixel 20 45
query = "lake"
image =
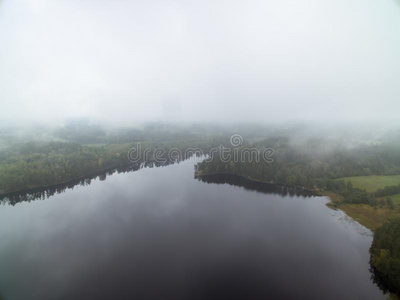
pixel 159 233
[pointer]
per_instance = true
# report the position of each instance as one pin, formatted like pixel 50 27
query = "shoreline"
pixel 364 214
pixel 311 192
pixel 63 183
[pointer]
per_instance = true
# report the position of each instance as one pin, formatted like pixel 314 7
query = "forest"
pixel 385 256
pixel 37 163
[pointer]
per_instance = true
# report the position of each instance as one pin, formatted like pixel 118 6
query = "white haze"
pixel 248 60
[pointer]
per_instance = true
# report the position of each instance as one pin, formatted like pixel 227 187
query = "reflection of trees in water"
pixel 248 184
pixel 379 279
pixel 47 192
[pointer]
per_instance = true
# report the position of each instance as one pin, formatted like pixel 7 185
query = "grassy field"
pixel 369 216
pixel 372 183
pixel 366 215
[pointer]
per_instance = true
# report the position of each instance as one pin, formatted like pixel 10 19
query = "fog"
pixel 133 61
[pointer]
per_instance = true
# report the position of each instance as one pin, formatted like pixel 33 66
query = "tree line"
pixel 385 256
pixel 313 165
pixel 388 190
pixel 35 164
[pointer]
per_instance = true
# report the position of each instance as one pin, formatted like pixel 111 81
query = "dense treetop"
pixel 385 256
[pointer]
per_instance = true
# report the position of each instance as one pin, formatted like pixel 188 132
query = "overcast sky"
pixel 128 61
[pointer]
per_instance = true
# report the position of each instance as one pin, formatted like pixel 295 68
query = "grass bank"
pixel 367 215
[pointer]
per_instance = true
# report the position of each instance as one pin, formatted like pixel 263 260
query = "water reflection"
pixel 262 187
pixel 161 234
pixel 47 192
pixel 381 281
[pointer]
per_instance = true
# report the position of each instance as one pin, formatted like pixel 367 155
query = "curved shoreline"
pixel 70 183
pixel 271 184
pixel 332 203
pixel 63 183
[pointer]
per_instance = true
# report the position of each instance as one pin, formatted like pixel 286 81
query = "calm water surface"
pixel 158 233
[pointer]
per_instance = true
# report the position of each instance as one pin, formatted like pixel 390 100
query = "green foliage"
pixel 385 256
pixel 388 190
pixel 349 193
pixel 291 180
pixel 35 165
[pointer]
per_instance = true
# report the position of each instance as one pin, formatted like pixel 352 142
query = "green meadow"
pixel 373 182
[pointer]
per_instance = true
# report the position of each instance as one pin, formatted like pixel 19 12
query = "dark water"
pixel 161 234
